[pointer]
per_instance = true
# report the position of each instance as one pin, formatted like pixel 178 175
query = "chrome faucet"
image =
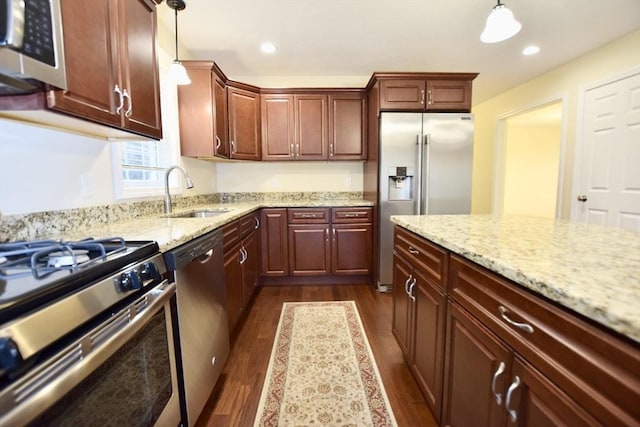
pixel 167 196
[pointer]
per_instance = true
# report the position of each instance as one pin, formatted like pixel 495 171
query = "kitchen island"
pixel 515 318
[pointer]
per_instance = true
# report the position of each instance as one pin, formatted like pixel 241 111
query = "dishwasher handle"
pixel 199 249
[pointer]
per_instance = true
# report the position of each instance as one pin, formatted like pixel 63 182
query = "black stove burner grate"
pixel 20 259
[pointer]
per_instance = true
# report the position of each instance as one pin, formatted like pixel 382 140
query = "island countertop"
pixel 592 270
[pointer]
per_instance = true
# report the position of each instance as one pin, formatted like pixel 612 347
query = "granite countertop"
pixel 172 232
pixel 593 270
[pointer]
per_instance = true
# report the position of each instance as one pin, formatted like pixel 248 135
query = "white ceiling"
pixel 342 42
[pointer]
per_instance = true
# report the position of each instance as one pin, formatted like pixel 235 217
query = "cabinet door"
pixel 405 95
pixel 220 119
pixel 275 261
pixel 477 372
pixel 402 308
pixel 244 124
pixel 428 350
pixel 309 249
pixel 91 56
pixel 351 249
pixel 448 95
pixel 196 111
pixel 250 266
pixel 140 67
pixel 347 127
pixel 537 402
pixel 277 127
pixel 234 285
pixel 311 117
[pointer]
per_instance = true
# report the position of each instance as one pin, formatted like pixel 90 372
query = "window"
pixel 138 166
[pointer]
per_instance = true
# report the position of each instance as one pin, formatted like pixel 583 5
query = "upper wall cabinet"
pixel 203 112
pixel 112 68
pixel 313 125
pixel 244 122
pixel 430 93
pixel 347 125
pixel 112 72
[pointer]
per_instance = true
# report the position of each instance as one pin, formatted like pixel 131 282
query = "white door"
pixel 608 190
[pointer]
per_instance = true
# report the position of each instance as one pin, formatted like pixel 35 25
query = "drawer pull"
pixel 523 326
pixel 499 371
pixel 308 215
pixel 351 215
pixel 413 251
pixel 513 414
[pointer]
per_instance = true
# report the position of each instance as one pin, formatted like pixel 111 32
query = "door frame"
pixel 500 145
pixel 579 147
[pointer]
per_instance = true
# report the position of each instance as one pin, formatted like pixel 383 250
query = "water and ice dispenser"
pixel 400 183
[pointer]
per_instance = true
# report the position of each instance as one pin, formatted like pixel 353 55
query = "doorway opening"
pixel 528 162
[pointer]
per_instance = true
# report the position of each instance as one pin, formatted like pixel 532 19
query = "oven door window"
pixel 131 388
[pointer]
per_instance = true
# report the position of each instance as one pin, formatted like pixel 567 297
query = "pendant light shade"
pixel 500 26
pixel 177 72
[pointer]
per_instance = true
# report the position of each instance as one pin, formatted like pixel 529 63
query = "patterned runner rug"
pixel 322 371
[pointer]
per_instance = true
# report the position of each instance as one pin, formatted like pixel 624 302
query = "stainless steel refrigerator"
pixel 425 168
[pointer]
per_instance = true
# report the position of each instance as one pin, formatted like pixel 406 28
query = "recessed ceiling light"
pixel 530 50
pixel 268 47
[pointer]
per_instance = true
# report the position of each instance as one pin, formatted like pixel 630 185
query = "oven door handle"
pixel 59 374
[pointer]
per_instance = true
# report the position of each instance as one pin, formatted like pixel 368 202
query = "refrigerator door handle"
pixel 424 167
pixel 418 205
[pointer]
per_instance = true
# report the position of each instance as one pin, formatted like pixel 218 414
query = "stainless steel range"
pixel 86 334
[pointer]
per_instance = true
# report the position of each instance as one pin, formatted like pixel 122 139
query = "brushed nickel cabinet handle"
pixel 513 414
pixel 413 298
pixel 520 325
pixel 119 92
pixel 257 222
pixel 413 251
pixel 499 371
pixel 218 142
pixel 127 113
pixel 406 284
pixel 429 100
pixel 422 97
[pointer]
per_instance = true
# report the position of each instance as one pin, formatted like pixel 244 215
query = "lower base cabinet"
pixel 241 264
pixel 510 357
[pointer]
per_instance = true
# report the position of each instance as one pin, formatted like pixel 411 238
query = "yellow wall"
pixel 565 81
pixel 531 170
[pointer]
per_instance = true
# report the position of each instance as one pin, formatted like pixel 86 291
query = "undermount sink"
pixel 204 213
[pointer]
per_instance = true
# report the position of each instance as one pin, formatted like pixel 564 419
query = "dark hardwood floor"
pixel 235 400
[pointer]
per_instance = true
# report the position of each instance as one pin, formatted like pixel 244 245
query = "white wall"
pixel 289 176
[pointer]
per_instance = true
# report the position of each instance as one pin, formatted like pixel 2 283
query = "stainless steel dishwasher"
pixel 203 331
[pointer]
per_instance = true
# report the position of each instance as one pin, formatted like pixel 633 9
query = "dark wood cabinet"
pixel 311 131
pixel 419 326
pixel 241 245
pixel 244 123
pixel 478 372
pixel 202 109
pixel 278 127
pixel 428 93
pixel 313 126
pixel 594 375
pixel 103 75
pixel 347 127
pixel 325 241
pixel 275 252
pixel 309 241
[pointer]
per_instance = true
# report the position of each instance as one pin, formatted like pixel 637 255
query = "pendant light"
pixel 500 26
pixel 177 72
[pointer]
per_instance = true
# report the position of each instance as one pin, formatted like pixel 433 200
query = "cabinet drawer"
pixel 230 235
pixel 351 215
pixel 248 223
pixel 429 258
pixel 599 371
pixel 308 215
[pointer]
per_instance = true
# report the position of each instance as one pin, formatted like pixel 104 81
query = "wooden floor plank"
pixel 235 400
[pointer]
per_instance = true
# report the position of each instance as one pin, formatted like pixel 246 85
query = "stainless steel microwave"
pixel 31 46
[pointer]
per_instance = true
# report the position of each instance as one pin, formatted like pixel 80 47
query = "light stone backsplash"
pixel 39 225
